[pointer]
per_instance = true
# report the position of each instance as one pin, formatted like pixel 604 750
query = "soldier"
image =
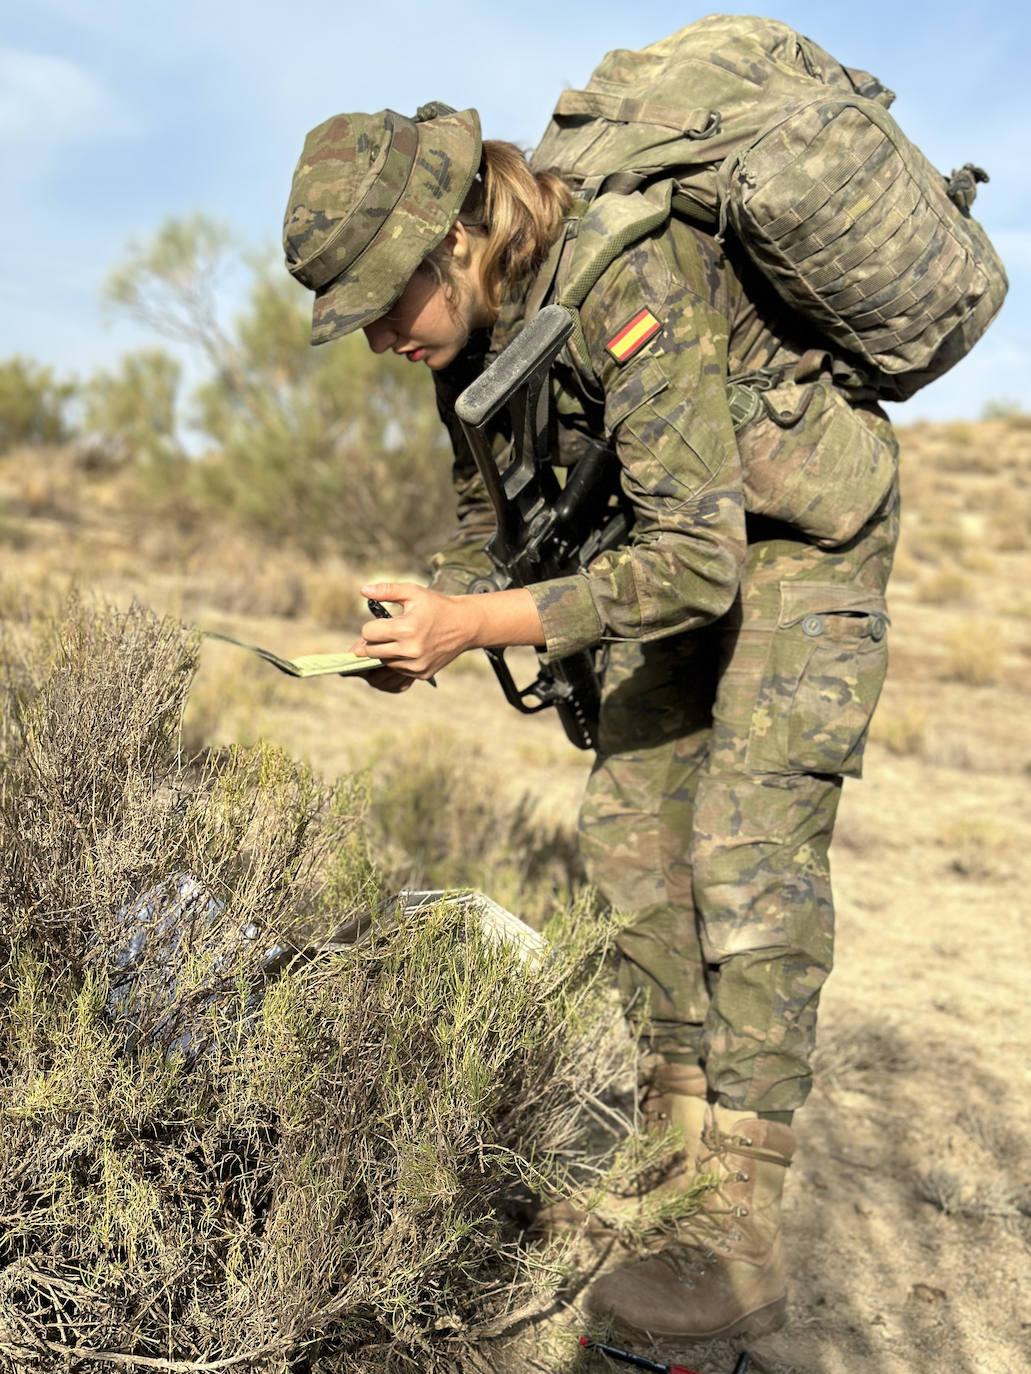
pixel 743 623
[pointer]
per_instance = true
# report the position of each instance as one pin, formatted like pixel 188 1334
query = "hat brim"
pixel 442 173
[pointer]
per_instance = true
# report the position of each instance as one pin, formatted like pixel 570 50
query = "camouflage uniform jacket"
pixel 665 406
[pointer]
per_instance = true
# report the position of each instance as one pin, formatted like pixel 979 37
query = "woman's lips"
pixel 416 355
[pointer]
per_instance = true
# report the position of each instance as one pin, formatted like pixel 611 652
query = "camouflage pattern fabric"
pixel 711 805
pixel 743 660
pixel 371 196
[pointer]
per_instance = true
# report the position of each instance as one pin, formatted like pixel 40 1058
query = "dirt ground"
pixel 908 1209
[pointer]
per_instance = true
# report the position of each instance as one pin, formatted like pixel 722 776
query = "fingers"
pixel 419 640
pixel 389 680
pixel 393 637
pixel 398 592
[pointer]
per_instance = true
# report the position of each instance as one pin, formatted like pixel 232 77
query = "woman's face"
pixel 430 324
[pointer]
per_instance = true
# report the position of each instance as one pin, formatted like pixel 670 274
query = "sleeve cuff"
pixel 568 614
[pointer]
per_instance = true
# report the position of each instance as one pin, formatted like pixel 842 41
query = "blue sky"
pixel 115 114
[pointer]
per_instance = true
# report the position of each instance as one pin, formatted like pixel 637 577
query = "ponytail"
pixel 522 215
pixel 517 211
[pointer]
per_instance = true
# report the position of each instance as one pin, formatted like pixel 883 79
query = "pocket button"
pixel 812 626
pixel 878 628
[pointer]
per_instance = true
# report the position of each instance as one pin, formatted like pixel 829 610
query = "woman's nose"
pixel 380 335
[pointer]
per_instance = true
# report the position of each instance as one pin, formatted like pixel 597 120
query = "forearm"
pixel 497 620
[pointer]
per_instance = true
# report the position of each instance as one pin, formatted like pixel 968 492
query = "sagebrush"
pixel 210 1162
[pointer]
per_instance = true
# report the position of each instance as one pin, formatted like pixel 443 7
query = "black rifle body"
pixel 544 530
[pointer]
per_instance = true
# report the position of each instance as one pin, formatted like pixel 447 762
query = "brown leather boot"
pixel 724 1273
pixel 672 1095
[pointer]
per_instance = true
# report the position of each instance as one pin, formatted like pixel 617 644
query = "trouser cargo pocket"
pixel 823 674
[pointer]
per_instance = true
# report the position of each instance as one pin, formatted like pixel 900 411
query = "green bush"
pixel 33 406
pixel 321 449
pixel 1002 408
pixel 204 1166
pixel 135 407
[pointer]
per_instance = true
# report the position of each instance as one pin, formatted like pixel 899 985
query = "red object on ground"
pixel 637 1360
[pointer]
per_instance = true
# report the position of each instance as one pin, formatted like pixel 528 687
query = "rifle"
pixel 543 530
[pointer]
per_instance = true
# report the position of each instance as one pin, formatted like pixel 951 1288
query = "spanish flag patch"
pixel 633 336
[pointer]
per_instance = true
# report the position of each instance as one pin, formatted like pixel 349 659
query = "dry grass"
pixel 973 653
pixel 978 847
pixel 945 588
pixel 903 732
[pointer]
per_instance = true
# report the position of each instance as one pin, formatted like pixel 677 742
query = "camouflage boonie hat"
pixel 371 196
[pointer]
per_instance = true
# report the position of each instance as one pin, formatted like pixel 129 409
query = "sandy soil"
pixel 908 1210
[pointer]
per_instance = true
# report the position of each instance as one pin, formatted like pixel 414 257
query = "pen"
pixel 381 613
pixel 638 1360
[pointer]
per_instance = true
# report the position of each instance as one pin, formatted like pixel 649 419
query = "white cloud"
pixel 48 101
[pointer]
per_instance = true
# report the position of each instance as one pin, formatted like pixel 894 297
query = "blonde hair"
pixel 517 211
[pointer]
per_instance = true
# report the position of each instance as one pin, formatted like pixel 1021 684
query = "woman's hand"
pixel 433 629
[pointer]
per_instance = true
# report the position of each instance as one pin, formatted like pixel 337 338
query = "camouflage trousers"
pixel 710 808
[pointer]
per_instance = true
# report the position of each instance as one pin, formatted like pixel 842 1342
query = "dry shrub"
pixel 973 655
pixel 1009 519
pixel 1011 533
pixel 901 732
pixel 42 481
pixel 331 594
pixel 978 846
pixel 848 1051
pixel 238 576
pixel 959 1194
pixel 205 1166
pixel 946 539
pixel 964 447
pixel 978 561
pixel 14 534
pixel 943 588
pixel 442 817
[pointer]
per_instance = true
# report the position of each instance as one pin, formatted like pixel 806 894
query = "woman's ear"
pixel 457 240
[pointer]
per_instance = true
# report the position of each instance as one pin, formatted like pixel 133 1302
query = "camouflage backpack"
pixel 754 127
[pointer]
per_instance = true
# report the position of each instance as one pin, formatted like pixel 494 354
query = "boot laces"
pixel 710 1234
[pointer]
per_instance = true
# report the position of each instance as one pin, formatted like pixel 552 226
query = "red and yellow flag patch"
pixel 633 336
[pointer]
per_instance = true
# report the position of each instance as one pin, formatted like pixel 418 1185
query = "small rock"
pixel 923 1292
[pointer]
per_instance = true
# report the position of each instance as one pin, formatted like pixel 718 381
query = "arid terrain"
pixel 909 1205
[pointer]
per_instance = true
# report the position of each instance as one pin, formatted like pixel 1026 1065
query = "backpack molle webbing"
pixel 758 128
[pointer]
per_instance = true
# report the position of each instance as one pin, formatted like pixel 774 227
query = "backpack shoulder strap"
pixel 611 224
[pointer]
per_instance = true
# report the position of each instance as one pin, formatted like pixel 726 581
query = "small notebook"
pixel 308 665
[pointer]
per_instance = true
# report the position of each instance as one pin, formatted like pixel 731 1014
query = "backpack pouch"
pixel 853 227
pixel 808 459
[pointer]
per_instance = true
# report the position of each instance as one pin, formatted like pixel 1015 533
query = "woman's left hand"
pixel 431 630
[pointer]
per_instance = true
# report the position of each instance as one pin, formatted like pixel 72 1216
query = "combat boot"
pixel 723 1275
pixel 672 1096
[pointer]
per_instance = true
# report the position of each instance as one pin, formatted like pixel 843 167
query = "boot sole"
pixel 762 1322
